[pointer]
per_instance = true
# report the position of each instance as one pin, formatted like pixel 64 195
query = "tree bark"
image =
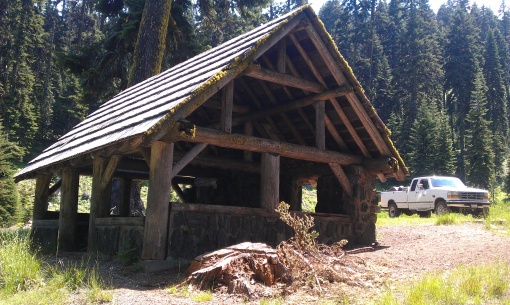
pixel 150 44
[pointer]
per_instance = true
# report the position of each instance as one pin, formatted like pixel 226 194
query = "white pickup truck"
pixel 439 194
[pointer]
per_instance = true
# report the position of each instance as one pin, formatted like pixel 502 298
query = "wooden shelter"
pixel 234 131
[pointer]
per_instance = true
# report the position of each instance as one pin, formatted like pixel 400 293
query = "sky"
pixel 435 4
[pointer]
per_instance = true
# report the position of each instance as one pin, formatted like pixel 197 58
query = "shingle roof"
pixel 142 109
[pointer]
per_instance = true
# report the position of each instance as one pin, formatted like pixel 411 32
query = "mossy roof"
pixel 146 110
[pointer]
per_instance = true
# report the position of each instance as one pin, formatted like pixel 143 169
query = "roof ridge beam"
pixel 258 72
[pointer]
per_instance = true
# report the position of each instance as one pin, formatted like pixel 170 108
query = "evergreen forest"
pixel 440 81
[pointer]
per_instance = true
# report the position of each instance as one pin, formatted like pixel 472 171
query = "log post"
pixel 320 129
pixel 42 184
pixel 68 209
pixel 227 102
pixel 125 196
pixel 270 181
pixel 101 195
pixel 248 130
pixel 157 213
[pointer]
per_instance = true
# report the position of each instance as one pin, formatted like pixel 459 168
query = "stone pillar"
pixel 158 207
pixel 68 209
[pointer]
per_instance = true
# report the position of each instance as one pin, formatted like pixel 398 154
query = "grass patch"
pixel 384 220
pixel 20 269
pixel 452 219
pixel 271 301
pixel 26 279
pixel 499 216
pixel 202 296
pixel 485 284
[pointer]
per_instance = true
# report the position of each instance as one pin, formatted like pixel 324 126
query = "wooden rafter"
pixel 340 79
pixel 187 158
pixel 280 109
pixel 282 79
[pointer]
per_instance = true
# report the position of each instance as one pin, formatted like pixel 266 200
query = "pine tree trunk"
pixel 150 45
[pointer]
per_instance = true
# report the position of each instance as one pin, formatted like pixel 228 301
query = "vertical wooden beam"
pixel 320 129
pixel 125 197
pixel 68 209
pixel 282 56
pixel 42 184
pixel 227 102
pixel 98 167
pixel 270 181
pixel 157 213
pixel 296 195
pixel 248 130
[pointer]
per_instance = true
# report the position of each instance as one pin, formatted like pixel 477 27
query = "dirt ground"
pixel 404 253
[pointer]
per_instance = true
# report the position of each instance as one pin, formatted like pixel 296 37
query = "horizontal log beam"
pixel 192 133
pixel 282 79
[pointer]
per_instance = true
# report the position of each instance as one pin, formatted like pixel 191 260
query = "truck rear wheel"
pixel 442 208
pixel 393 210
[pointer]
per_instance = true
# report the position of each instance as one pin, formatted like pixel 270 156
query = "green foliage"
pixel 26 279
pixel 19 267
pixel 485 284
pixel 479 156
pixel 9 199
pixel 303 239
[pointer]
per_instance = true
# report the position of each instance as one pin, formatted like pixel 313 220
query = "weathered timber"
pixel 68 209
pixel 320 130
pixel 244 142
pixel 336 136
pixel 157 213
pixel 99 200
pixel 282 56
pixel 248 130
pixel 282 79
pixel 216 104
pixel 223 163
pixel 192 103
pixel 342 178
pixel 146 154
pixel 178 191
pixel 288 122
pixel 386 165
pixel 109 170
pixel 281 108
pixel 125 196
pixel 187 158
pixel 55 187
pixel 42 184
pixel 270 181
pixel 227 102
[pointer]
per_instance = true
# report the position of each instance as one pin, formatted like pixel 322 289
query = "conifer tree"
pixel 479 154
pixel 461 66
pixel 423 141
pixel 8 194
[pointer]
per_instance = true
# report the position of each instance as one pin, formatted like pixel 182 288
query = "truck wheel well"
pixel 391 201
pixel 437 201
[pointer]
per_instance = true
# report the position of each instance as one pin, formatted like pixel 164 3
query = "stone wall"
pixel 195 229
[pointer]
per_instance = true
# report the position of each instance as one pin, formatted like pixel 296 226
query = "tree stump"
pixel 235 266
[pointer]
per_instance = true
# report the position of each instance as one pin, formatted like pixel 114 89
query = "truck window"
pixel 425 183
pixel 413 185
